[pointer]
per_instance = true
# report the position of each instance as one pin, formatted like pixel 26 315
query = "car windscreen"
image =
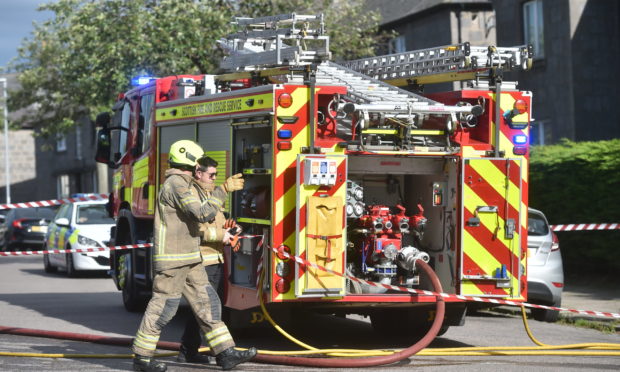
pixel 34 213
pixel 94 214
pixel 537 226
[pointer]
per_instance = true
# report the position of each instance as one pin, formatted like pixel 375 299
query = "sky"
pixel 16 17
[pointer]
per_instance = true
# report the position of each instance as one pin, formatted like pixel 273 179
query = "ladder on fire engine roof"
pixel 444 64
pixel 262 42
pixel 259 48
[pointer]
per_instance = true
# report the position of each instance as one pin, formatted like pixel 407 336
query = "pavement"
pixel 591 296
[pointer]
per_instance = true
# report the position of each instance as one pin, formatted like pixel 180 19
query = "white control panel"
pixel 320 172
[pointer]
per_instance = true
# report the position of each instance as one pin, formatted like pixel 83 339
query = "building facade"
pixel 576 52
pixel 42 169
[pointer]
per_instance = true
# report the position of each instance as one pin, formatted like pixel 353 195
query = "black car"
pixel 25 228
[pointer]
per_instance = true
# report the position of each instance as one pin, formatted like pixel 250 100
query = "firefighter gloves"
pixel 234 183
pixel 232 234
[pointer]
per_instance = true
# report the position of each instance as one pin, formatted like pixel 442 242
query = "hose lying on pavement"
pixel 288 357
pixel 440 307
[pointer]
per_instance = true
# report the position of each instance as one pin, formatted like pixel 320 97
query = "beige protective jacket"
pixel 177 218
pixel 212 231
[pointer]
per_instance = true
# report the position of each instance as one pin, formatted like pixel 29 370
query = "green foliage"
pixel 579 182
pixel 77 62
pixel 601 326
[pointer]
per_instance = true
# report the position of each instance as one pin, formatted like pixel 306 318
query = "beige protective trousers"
pixel 168 287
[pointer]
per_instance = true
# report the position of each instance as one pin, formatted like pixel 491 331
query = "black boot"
pixel 187 356
pixel 230 357
pixel 146 364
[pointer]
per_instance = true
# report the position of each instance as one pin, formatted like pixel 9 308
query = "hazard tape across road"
pixel 49 203
pixel 77 250
pixel 97 249
pixel 586 227
pixel 306 263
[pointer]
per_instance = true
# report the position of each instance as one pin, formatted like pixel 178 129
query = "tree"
pixel 76 63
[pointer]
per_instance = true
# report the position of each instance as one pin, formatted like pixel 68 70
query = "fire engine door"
pixel 490 227
pixel 321 192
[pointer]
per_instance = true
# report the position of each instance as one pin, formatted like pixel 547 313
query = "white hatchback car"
pixel 545 275
pixel 84 224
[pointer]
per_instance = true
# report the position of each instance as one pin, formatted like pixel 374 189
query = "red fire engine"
pixel 345 167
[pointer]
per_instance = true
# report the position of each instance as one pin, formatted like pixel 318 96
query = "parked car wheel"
pixel 544 315
pixel 47 265
pixel 71 271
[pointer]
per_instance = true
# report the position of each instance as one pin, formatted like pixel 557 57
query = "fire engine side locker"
pixel 490 233
pixel 320 224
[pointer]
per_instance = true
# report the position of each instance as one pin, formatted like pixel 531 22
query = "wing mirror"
pixel 63 221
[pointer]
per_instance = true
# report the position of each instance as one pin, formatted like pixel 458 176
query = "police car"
pixel 84 224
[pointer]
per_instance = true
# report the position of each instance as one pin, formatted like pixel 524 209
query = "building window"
pixel 398 45
pixel 533 31
pixel 62 186
pixel 61 144
pixel 537 133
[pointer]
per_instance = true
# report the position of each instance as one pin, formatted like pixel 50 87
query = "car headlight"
pixel 88 242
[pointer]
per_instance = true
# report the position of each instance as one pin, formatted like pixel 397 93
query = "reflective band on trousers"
pixel 146 342
pixel 218 336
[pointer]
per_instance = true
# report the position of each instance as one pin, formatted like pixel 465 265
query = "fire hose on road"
pixel 355 358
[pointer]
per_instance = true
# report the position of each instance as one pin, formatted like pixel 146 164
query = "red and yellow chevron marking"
pixel 284 176
pixel 494 183
pixel 284 173
pixel 506 135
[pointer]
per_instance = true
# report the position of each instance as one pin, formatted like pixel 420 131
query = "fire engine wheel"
pixel 131 297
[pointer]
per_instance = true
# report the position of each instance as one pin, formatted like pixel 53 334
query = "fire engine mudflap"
pixel 362 178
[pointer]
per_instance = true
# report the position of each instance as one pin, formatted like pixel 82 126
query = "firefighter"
pixel 178 266
pixel 214 234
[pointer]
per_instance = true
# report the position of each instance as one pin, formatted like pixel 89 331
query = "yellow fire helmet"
pixel 184 153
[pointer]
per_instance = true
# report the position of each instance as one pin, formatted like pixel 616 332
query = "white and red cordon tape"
pixel 304 262
pixel 49 203
pixel 586 227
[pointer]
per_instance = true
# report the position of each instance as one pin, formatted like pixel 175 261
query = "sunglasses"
pixel 210 175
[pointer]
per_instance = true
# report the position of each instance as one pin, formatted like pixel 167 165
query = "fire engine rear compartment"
pixel 384 181
pixel 426 188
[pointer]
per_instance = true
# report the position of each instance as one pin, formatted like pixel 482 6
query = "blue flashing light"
pixel 141 80
pixel 285 133
pixel 519 139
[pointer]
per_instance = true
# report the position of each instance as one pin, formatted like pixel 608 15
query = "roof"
pixel 394 10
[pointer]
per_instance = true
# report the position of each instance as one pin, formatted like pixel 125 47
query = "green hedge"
pixel 579 182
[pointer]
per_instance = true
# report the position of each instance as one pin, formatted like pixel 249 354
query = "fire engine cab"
pixel 346 167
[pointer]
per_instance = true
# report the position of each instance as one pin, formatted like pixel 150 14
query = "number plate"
pixel 42 229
